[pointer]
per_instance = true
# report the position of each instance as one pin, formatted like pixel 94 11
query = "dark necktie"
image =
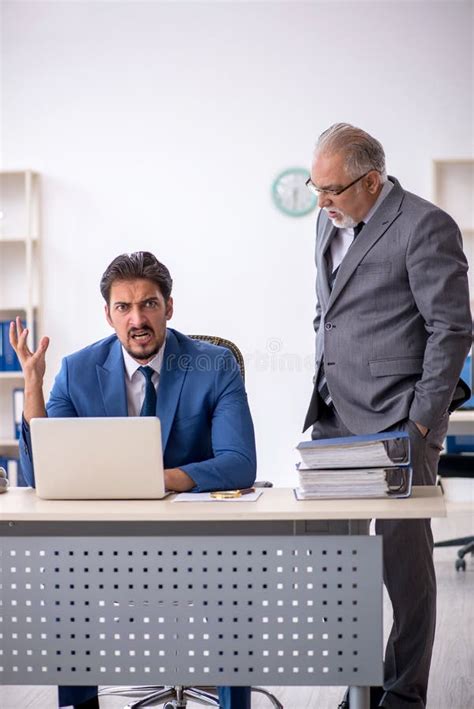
pixel 357 228
pixel 322 381
pixel 149 402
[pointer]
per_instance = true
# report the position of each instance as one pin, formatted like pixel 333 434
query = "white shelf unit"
pixel 20 279
pixel 453 191
pixel 17 376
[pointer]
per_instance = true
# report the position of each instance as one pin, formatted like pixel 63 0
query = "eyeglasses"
pixel 320 190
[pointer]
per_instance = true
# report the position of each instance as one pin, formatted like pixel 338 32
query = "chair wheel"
pixel 460 565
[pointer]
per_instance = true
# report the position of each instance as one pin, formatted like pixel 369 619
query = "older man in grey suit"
pixel 393 328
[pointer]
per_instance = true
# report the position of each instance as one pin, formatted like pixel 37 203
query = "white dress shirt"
pixel 135 381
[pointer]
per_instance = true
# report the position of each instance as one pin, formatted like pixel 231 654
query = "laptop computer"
pixel 98 458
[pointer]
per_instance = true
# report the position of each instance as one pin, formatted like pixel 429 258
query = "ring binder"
pixel 377 465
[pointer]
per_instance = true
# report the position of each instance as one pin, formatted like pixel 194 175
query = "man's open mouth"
pixel 141 336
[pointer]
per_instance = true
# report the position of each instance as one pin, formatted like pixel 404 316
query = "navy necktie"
pixel 149 402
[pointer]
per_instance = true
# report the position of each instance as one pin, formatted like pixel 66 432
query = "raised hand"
pixel 33 365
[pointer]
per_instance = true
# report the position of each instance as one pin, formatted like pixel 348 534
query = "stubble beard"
pixel 143 354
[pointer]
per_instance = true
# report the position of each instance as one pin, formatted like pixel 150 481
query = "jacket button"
pixel 328 326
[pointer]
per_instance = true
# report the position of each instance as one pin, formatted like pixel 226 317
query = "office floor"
pixel 452 672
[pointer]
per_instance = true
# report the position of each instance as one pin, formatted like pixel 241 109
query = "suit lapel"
pixel 383 218
pixel 172 377
pixel 328 231
pixel 111 376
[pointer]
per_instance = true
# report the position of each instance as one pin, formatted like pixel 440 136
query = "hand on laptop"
pixel 178 481
pixel 33 365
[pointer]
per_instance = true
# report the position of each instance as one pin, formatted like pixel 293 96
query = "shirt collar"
pixel 131 365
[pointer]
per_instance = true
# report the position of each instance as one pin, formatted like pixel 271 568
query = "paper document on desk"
pixel 206 497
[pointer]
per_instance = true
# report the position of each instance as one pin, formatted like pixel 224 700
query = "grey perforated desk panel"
pixel 134 592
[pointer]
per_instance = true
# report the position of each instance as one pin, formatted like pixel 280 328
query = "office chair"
pixel 222 342
pixel 175 697
pixel 457 466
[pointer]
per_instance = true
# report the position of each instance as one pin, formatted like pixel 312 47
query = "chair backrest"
pixel 222 342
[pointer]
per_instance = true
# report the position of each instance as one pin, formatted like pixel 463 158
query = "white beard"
pixel 343 221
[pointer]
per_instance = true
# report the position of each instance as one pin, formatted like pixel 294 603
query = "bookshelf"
pixel 453 191
pixel 20 286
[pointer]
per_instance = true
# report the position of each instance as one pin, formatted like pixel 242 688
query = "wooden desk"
pixel 269 592
pixel 275 504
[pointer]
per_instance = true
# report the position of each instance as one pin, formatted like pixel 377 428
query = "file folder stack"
pixel 371 466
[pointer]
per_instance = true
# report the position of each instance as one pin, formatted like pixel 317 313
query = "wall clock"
pixel 290 193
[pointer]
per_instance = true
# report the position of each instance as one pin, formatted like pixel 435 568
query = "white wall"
pixel 161 126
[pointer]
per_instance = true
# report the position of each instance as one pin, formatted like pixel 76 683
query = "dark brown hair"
pixel 129 267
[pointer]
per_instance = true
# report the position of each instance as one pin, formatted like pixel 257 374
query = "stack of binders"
pixel 373 466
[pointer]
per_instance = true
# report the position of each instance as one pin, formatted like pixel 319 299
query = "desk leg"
pixel 359 697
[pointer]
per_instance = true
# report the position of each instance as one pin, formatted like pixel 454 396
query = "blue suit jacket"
pixel 206 425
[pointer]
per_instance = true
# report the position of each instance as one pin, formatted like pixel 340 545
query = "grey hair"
pixel 362 151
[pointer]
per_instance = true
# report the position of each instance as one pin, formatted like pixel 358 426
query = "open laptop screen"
pixel 98 458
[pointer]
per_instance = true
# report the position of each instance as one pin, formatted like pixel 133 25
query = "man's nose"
pixel 324 199
pixel 137 316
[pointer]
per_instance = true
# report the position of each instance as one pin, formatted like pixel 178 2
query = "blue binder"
pixel 10 360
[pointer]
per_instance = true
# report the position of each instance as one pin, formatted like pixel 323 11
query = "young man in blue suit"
pixel 195 389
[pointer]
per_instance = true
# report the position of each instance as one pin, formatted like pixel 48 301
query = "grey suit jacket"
pixel 396 328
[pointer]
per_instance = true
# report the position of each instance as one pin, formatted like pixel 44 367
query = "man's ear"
pixel 169 308
pixel 107 315
pixel 372 181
